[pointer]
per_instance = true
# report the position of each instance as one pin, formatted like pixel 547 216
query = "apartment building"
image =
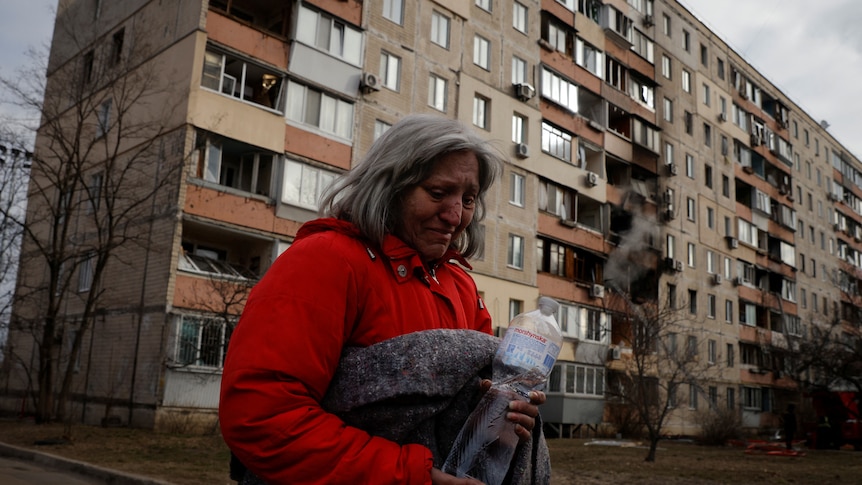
pixel 648 161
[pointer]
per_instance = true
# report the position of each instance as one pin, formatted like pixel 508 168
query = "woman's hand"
pixel 522 413
pixel 440 478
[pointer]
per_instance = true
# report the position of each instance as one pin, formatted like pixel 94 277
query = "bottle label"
pixel 527 350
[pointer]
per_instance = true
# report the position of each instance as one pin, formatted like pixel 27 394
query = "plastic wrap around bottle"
pixel 486 443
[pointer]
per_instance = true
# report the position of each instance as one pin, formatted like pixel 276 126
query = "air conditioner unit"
pixel 732 242
pixel 524 91
pixel 523 150
pixel 831 196
pixel 597 291
pixel 369 82
pixel 716 279
pixel 649 20
pixel 678 267
pixel 736 281
pixel 666 197
pixel 669 215
pixel 592 178
pixel 748 169
pixel 837 227
pixel 615 353
pixel 672 168
pixel 722 117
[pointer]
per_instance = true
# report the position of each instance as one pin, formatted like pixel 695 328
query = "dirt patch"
pixel 203 460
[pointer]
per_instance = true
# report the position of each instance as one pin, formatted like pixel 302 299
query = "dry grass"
pixel 680 463
pixel 203 460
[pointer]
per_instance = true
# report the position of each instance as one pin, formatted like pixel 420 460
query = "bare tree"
pixel 14 174
pixel 662 359
pixel 100 173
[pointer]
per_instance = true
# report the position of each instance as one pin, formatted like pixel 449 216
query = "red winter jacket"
pixel 327 291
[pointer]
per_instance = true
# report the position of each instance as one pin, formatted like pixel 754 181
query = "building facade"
pixel 647 161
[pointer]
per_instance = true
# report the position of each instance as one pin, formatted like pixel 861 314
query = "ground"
pixel 203 460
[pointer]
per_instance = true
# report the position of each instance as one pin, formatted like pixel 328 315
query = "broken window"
pixel 269 15
pixel 234 164
pixel 243 80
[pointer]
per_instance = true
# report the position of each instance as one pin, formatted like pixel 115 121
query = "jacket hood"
pixel 393 247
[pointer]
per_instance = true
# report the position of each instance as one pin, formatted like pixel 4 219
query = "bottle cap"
pixel 548 306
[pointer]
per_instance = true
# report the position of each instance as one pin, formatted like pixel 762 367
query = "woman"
pixel 385 262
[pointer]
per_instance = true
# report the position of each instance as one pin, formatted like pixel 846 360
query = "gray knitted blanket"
pixel 420 388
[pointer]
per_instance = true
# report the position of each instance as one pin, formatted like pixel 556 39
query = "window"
pixel 731 398
pixel 710 309
pixel 689 165
pixel 692 302
pixel 437 95
pixel 686 81
pixel 577 379
pixel 202 341
pixel 519 129
pixel 692 395
pixel 670 246
pixel 706 94
pixel 725 187
pixel 117 47
pixel 615 73
pixel 704 55
pixel 484 4
pixel 519 70
pixel 304 184
pixel 710 218
pixel 556 142
pixel 747 313
pixel 719 66
pixel 665 24
pixel 686 40
pixel 515 252
pixel 481 52
pixel 315 108
pixel 103 118
pixel 728 311
pixel 212 262
pixel 94 193
pixel 668 153
pixel 668 110
pixel 330 35
pixel 594 330
pixel 690 208
pixel 390 71
pixel 707 175
pixel 87 67
pixel 665 66
pixel 643 45
pixel 236 165
pixel 710 262
pixel 641 91
pixel 380 127
pixel 560 90
pixel 394 10
pixel 249 82
pixel 516 307
pixel 730 356
pixel 481 115
pixel 589 57
pixel 691 254
pixel 85 272
pixel 752 398
pixel 519 17
pixel 440 29
pixel 707 135
pixel 516 189
pixel 688 121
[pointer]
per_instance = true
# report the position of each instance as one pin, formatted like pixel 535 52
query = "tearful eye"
pixel 469 201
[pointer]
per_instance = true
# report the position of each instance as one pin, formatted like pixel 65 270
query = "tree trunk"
pixel 653 444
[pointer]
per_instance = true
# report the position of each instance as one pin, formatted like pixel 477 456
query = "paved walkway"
pixel 22 466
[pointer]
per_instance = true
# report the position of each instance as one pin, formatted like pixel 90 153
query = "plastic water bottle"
pixel 486 443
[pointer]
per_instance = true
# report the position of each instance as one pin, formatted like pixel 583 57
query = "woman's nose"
pixel 451 213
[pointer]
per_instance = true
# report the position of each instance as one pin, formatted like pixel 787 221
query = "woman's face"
pixel 436 211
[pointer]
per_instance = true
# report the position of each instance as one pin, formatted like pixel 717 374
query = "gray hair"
pixel 368 195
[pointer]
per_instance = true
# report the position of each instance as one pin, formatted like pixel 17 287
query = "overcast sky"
pixel 811 50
